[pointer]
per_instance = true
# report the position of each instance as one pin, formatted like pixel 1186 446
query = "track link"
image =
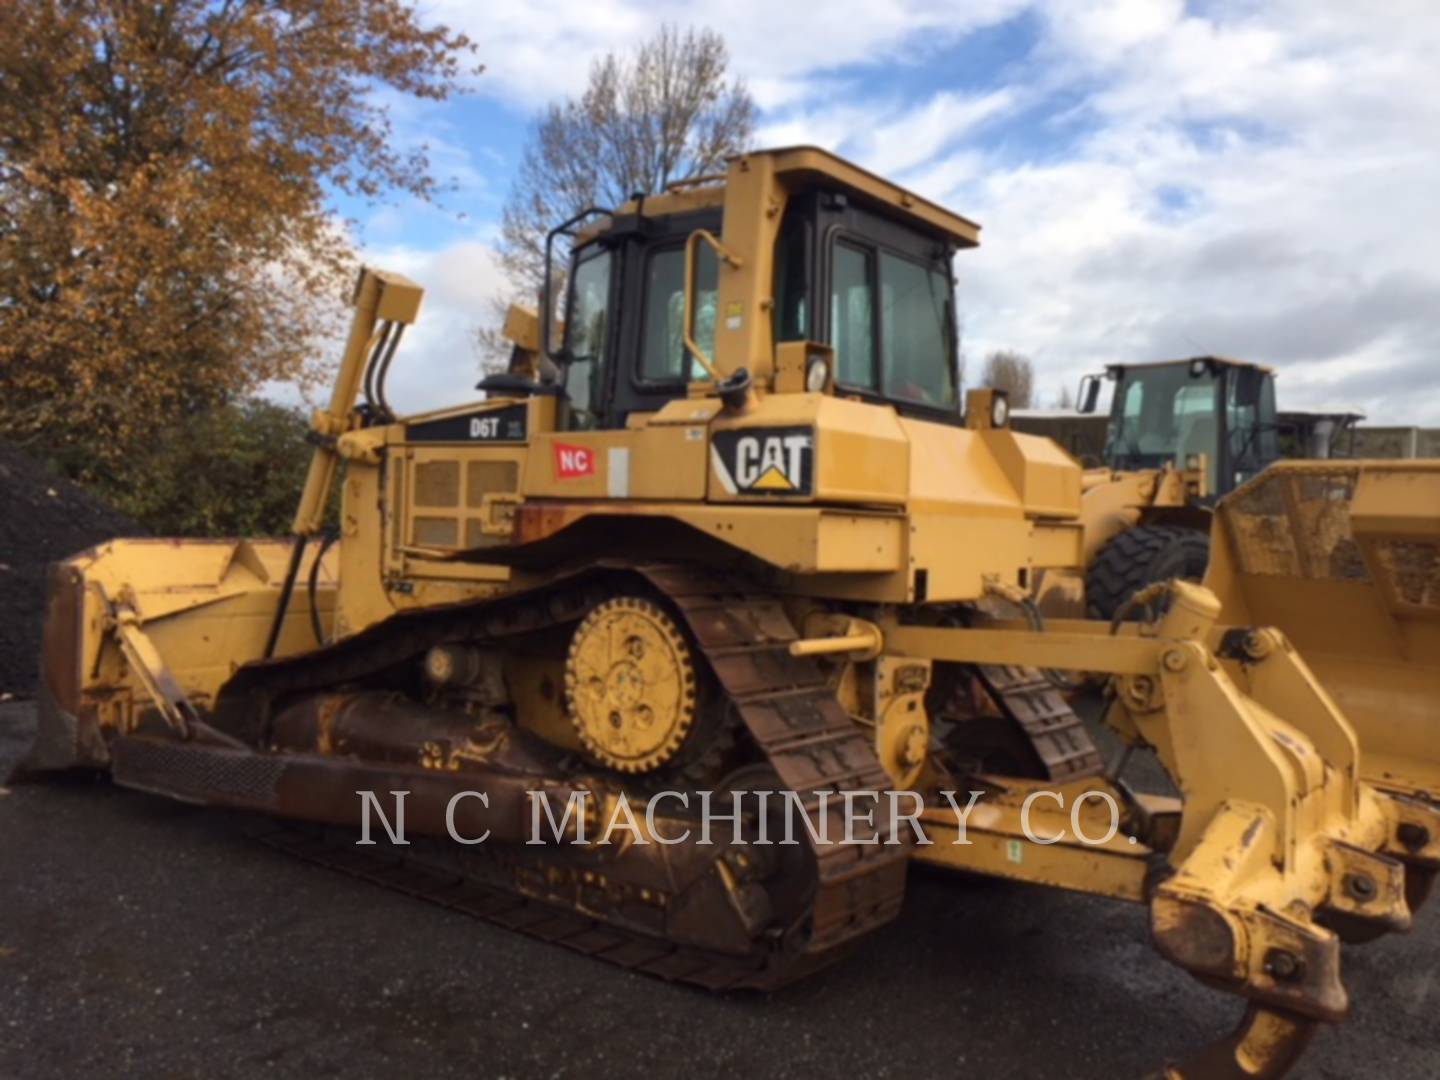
pixel 1032 702
pixel 460 884
pixel 792 713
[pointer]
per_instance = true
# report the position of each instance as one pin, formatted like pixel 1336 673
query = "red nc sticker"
pixel 573 461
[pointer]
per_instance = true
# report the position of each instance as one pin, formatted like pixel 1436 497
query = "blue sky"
pixel 1154 179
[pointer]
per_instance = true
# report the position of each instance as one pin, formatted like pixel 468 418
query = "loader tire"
pixel 1140 557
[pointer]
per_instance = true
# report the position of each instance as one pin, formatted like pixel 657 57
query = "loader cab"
pixel 1174 411
pixel 876 289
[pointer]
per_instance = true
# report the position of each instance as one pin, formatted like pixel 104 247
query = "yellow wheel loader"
pixel 744 562
pixel 1180 434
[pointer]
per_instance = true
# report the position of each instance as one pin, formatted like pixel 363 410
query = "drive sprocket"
pixel 630 684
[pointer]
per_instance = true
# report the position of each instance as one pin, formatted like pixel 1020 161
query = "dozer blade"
pixel 1344 559
pixel 200 607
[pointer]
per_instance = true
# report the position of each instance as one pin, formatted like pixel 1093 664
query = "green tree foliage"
pixel 234 470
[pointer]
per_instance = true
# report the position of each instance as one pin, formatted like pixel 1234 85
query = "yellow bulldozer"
pixel 731 548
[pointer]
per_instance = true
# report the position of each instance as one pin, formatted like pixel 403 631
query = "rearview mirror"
pixel 1089 394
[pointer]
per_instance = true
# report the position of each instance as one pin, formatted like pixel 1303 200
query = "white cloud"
pixel 1244 179
pixel 537 50
pixel 902 136
pixel 437 363
pixel 1300 144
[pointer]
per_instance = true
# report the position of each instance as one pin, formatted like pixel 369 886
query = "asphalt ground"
pixel 147 938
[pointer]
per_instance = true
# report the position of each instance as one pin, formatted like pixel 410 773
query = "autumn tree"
pixel 666 111
pixel 1013 373
pixel 166 169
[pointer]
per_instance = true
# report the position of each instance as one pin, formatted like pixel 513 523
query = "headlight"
pixel 999 410
pixel 1198 367
pixel 817 375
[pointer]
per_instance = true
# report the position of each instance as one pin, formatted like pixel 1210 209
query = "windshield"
pixel 1164 414
pixel 585 338
pixel 907 352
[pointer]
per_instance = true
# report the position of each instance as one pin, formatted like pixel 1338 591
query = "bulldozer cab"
pixel 628 254
pixel 876 290
pixel 1176 411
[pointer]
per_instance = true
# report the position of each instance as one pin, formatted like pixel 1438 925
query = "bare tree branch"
pixel 667 111
pixel 1012 372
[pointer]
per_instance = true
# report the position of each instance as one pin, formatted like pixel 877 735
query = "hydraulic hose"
pixel 313 582
pixel 1026 603
pixel 297 552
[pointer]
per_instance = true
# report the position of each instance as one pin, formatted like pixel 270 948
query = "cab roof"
pixel 1217 361
pixel 803 166
pixel 805 163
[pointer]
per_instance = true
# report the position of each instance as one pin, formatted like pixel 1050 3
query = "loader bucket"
pixel 1344 559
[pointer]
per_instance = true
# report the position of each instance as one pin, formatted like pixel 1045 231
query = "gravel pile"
pixel 42 518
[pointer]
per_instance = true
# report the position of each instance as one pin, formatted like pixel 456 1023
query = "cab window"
pixel 792 280
pixel 852 317
pixel 1251 421
pixel 586 338
pixel 1134 402
pixel 901 346
pixel 663 356
pixel 915 339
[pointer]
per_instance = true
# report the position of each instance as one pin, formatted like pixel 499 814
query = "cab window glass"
pixel 852 318
pixel 1166 413
pixel 915 338
pixel 663 357
pixel 1123 436
pixel 585 340
pixel 792 278
pixel 1250 418
pixel 1194 400
pixel 1134 400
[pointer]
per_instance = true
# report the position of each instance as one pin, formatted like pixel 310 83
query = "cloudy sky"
pixel 1155 179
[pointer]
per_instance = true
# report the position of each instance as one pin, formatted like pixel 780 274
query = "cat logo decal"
pixel 765 461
